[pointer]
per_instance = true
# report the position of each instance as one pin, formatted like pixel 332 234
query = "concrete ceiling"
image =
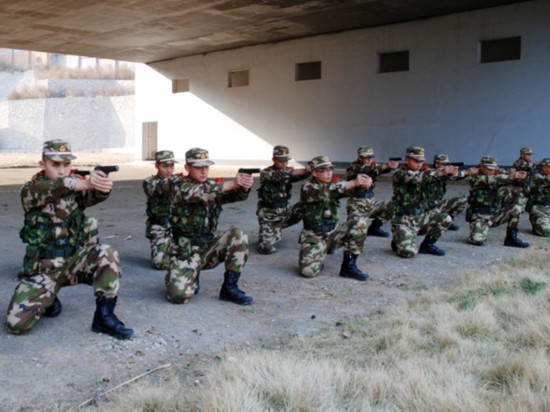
pixel 148 31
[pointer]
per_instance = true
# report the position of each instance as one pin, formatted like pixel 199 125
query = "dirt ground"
pixel 62 360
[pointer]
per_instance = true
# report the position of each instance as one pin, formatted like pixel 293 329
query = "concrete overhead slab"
pixel 153 31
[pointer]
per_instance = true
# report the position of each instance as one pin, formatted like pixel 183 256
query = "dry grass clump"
pixel 122 72
pixel 42 92
pixel 482 345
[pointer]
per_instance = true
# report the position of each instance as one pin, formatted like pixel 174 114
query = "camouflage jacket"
pixel 373 170
pixel 276 187
pixel 408 190
pixel 540 190
pixel 321 203
pixel 54 211
pixel 483 197
pixel 158 193
pixel 524 166
pixel 196 207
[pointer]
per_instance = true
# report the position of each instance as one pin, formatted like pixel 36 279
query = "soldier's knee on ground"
pixel 179 299
pixel 405 253
pixel 266 249
pixel 310 271
pixel 17 328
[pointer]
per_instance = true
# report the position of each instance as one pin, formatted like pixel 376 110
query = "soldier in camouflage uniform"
pixel 485 207
pixel 518 191
pixel 196 206
pixel 157 226
pixel 274 212
pixel 411 214
pixel 538 205
pixel 362 203
pixel 320 200
pixel 62 245
pixel 434 193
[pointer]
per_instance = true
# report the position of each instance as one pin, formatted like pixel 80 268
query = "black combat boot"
pixel 197 285
pixel 230 290
pixel 428 247
pixel 349 269
pixel 375 229
pixel 105 321
pixel 513 240
pixel 54 309
pixel 453 227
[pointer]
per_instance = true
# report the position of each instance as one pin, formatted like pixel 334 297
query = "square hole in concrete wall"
pixel 308 71
pixel 180 85
pixel 393 62
pixel 238 78
pixel 499 50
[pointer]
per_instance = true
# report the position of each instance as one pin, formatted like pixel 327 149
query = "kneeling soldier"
pixel 320 201
pixel 538 205
pixel 196 206
pixel 62 245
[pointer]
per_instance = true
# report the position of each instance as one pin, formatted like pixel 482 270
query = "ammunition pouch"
pixel 412 211
pixel 484 210
pixel 195 240
pixel 63 252
pixel 320 228
pixel 161 220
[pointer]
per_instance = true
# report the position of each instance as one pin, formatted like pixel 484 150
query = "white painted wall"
pixel 447 101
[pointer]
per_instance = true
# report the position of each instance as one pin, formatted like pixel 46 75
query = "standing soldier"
pixel 274 212
pixel 538 205
pixel 157 226
pixel 61 250
pixel 362 203
pixel 196 206
pixel 485 208
pixel 320 201
pixel 411 214
pixel 435 192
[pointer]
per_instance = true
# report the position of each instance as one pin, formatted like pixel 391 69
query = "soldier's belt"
pixel 193 238
pixel 57 253
pixel 162 221
pixel 321 228
pixel 414 211
pixel 484 210
pixel 279 204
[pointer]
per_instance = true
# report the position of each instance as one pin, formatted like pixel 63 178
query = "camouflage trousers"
pixel 96 265
pixel 230 247
pixel 539 216
pixel 405 229
pixel 272 222
pixel 513 195
pixel 369 208
pixel 480 223
pixel 452 206
pixel 160 238
pixel 351 235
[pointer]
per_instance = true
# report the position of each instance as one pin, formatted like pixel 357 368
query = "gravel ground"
pixel 62 360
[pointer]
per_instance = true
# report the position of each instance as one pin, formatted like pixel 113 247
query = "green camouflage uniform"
pixel 538 205
pixel 321 213
pixel 434 197
pixel 157 226
pixel 196 209
pixel 411 214
pixel 274 211
pixel 485 207
pixel 361 202
pixel 62 249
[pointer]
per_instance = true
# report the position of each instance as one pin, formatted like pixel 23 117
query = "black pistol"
pixel 458 164
pixel 104 169
pixel 249 171
pixel 396 159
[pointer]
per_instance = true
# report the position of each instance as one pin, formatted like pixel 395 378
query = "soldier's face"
pixel 165 170
pixel 526 157
pixel 486 170
pixel 323 175
pixel 413 164
pixel 366 160
pixel 280 164
pixel 54 170
pixel 545 170
pixel 198 174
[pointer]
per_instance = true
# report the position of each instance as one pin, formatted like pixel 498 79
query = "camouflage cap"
pixel 321 162
pixel 365 151
pixel 281 153
pixel 441 158
pixel 198 157
pixel 165 156
pixel 545 162
pixel 489 162
pixel 416 152
pixel 57 150
pixel 525 150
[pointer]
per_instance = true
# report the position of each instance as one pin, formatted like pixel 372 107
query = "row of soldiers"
pixel 184 209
